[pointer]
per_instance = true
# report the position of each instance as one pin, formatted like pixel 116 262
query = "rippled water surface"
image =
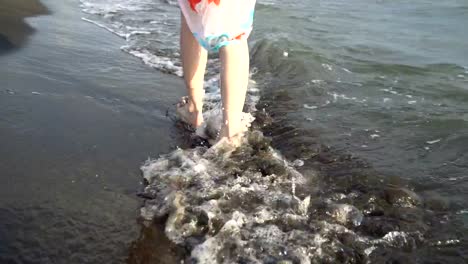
pixel 72 136
pixel 367 104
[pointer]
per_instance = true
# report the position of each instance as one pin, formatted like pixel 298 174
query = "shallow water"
pixel 365 107
pixel 368 98
pixel 72 138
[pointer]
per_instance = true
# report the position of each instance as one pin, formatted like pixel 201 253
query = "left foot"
pixel 186 113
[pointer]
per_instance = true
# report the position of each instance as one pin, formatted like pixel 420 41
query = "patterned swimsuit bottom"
pixel 217 23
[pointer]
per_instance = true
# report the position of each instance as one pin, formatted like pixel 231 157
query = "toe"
pixel 182 102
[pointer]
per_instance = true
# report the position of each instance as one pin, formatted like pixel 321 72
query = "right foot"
pixel 186 113
pixel 233 136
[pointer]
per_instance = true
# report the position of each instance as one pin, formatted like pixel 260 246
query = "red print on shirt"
pixel 194 3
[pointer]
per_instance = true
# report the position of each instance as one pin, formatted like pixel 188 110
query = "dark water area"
pixel 74 129
pixel 371 118
pixel 5 44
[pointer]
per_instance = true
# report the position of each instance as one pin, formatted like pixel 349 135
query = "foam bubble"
pixel 327 66
pixel 306 106
pixel 245 205
pixel 163 64
pixel 430 142
pixel 116 32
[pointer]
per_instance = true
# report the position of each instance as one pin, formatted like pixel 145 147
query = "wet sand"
pixel 78 116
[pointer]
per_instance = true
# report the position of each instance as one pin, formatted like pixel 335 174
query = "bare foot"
pixel 187 113
pixel 233 140
pixel 234 136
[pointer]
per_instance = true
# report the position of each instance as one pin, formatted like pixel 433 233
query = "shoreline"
pixel 79 116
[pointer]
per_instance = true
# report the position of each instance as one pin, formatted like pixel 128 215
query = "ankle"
pixel 227 131
pixel 194 107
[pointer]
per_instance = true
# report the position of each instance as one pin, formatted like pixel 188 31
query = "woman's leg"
pixel 194 58
pixel 234 81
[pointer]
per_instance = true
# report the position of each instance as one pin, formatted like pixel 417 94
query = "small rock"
pixel 401 196
pixel 345 214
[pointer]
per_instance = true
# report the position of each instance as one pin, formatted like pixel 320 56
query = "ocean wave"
pixel 164 64
pixel 251 205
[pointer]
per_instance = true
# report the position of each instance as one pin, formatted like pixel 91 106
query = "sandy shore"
pixel 78 118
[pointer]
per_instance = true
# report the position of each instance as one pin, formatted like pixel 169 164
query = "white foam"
pixel 327 66
pixel 297 163
pixel 306 106
pixel 401 239
pixel 200 180
pixel 161 63
pixel 137 32
pixel 369 250
pixel 116 32
pixel 337 96
pixel 447 242
pixel 346 70
pixel 430 142
pixel 116 6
